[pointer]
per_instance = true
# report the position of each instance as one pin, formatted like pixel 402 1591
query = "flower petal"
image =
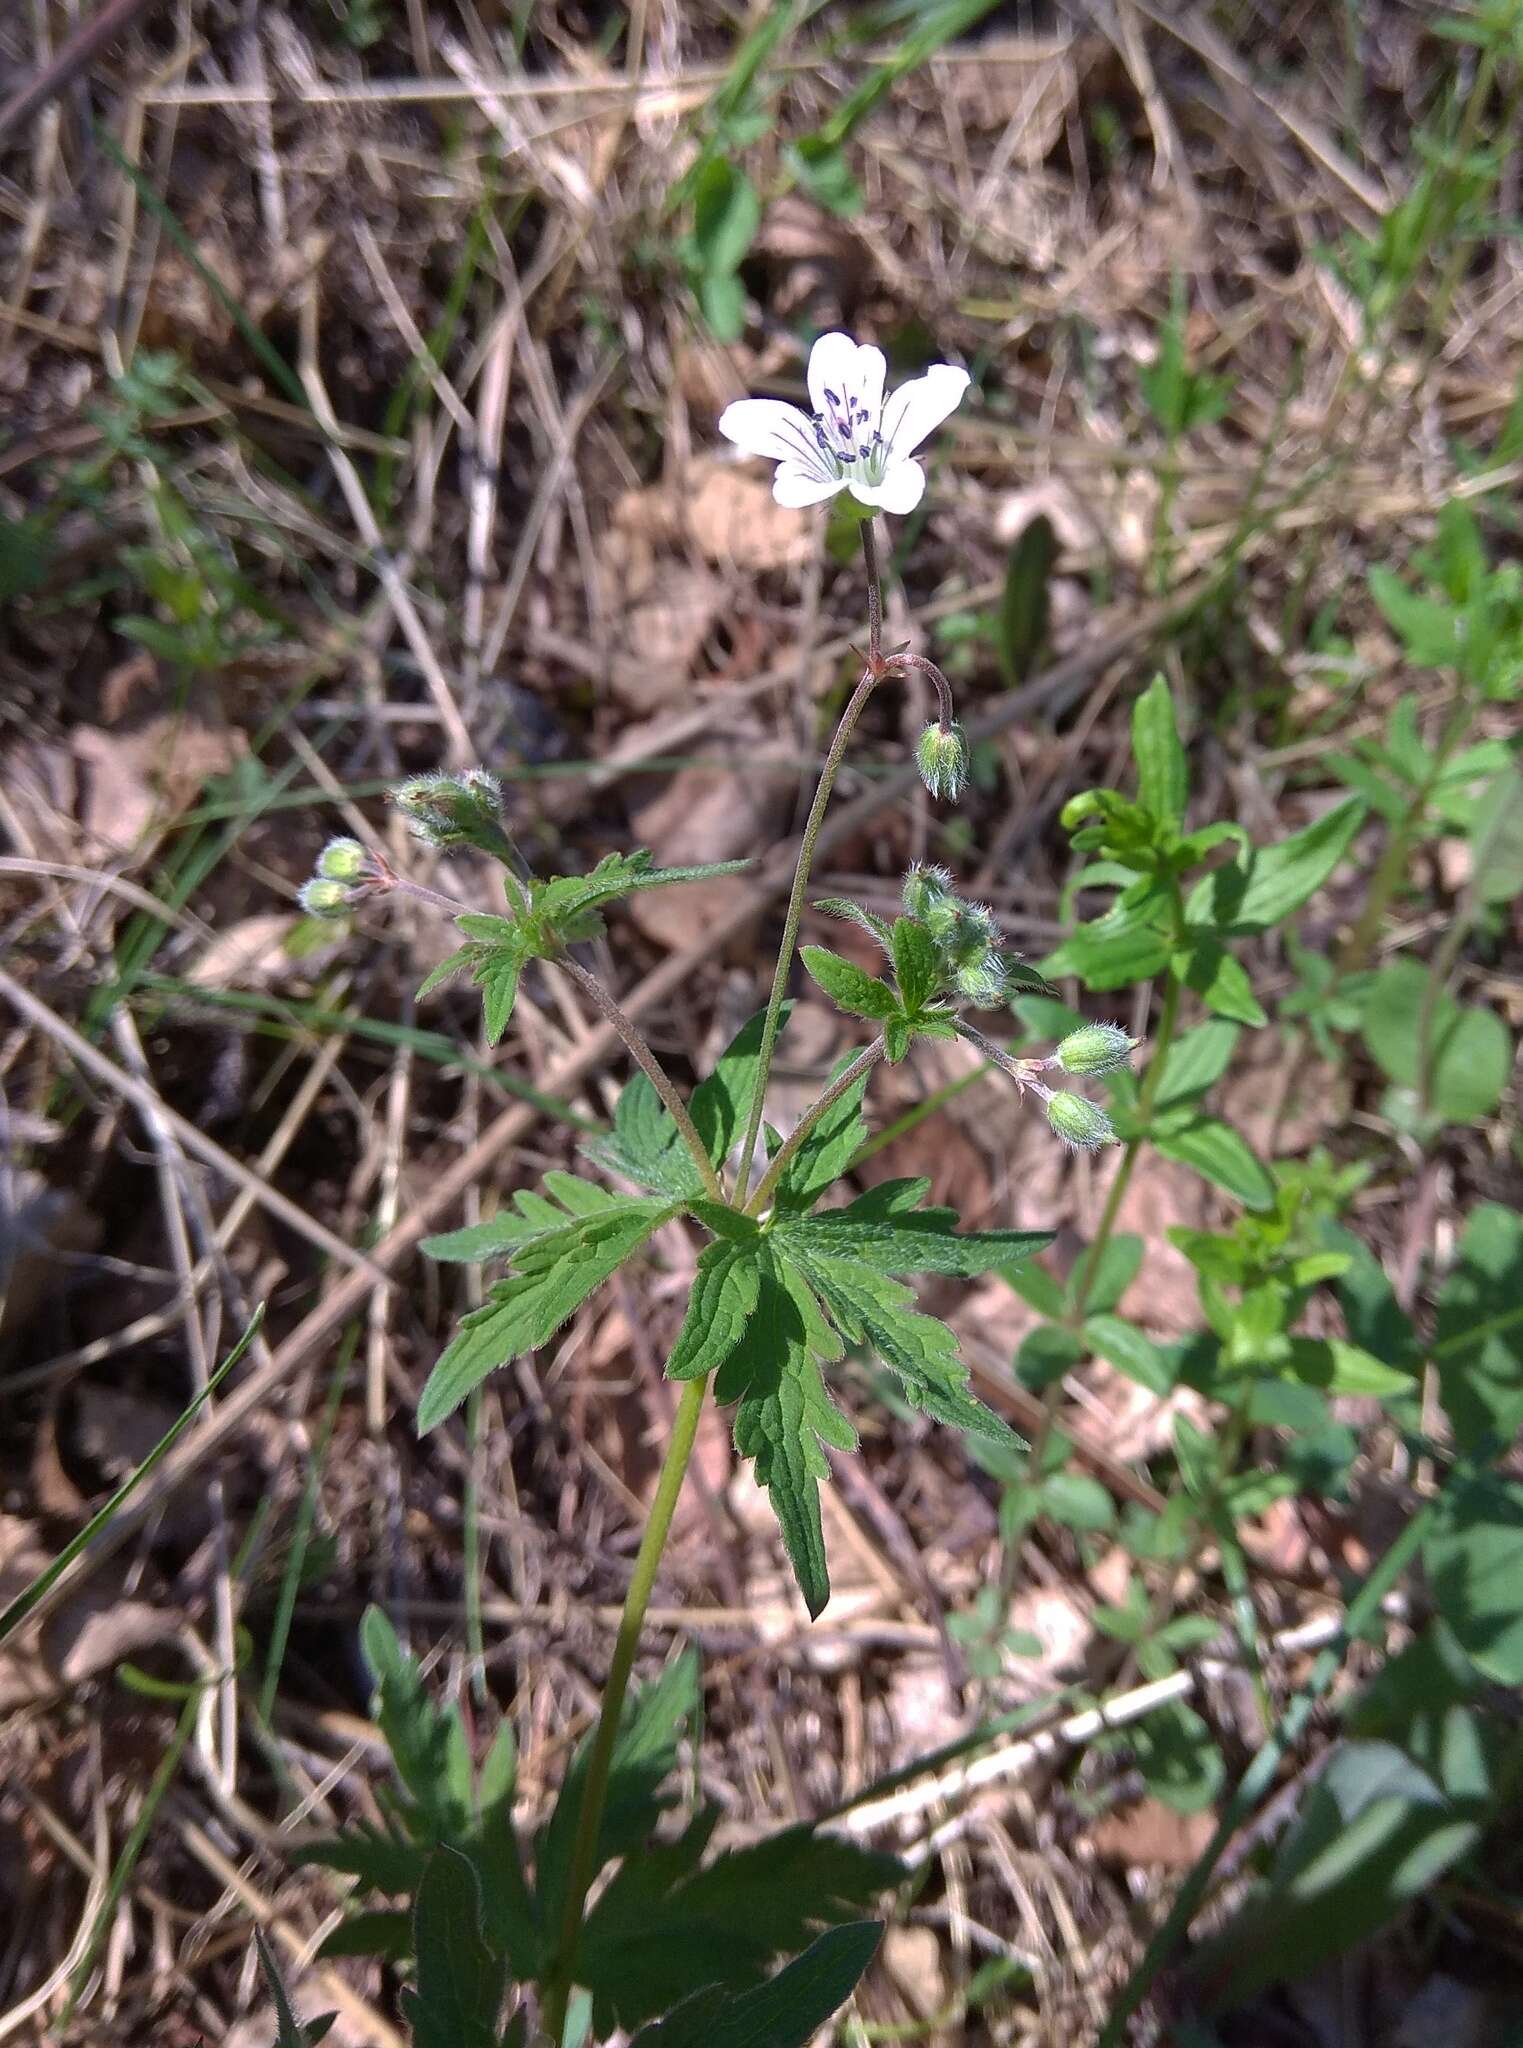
pixel 793 485
pixel 839 367
pixel 919 407
pixel 766 426
pixel 900 490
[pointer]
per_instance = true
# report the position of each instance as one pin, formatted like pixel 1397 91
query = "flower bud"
pixel 926 890
pixel 323 897
pixel 942 758
pixel 973 936
pixel 453 810
pixel 343 860
pixel 1095 1049
pixel 982 982
pixel 1078 1121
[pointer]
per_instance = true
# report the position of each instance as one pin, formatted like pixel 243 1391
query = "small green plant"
pixel 787 1282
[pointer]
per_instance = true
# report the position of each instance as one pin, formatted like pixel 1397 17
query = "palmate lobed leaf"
pixel 669 1924
pixel 556 1273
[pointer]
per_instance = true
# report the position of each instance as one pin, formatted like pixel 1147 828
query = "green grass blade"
pixel 26 1601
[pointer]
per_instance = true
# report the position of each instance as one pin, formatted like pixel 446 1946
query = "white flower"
pixel 855 441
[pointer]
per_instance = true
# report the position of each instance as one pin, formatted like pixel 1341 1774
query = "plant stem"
pixel 871 678
pixel 864 1063
pixel 653 1071
pixel 1392 866
pixel 1147 1094
pixel 874 593
pixel 589 1822
pixel 794 918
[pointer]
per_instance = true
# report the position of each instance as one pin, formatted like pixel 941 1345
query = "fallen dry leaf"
pixel 1151 1835
pixel 732 517
pixel 707 814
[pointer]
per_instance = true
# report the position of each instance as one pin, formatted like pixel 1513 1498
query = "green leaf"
pixel 1431 631
pixel 861 995
pixel 784 1420
pixel 1220 980
pixel 428 1745
pixel 1163 774
pixel 856 913
pixel 386 1933
pixel 530 1217
pixel 1478 1342
pixel 726 215
pixel 1021 625
pixel 651 1727
pixel 722 301
pixel 722 1103
pixel 919 1241
pixel 1110 1276
pixel 1195 1062
pixel 1469 1051
pixel 1264 886
pixel 289 2031
pixel 783 2013
pixel 1216 1150
pixel 1077 1501
pixel 461 1979
pixel 833 1142
pixel 1496 840
pixel 645 1145
pixel 1111 952
pixel 556 1273
pixel 869 1307
pixel 917 968
pixel 1127 1348
pixel 666 1926
pixel 822 170
pixel 719 1308
pixel 1475 1567
pixel 1176 1755
pixel 1343 1368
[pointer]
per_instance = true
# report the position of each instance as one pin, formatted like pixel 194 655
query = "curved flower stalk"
pixel 854 439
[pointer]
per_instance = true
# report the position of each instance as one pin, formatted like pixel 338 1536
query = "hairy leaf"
pixel 784 1419
pixel 869 1307
pixel 722 1103
pixel 461 1977
pixel 827 1151
pixel 667 1926
pixel 857 914
pixel 719 1308
pixel 531 1216
pixel 920 1242
pixel 556 1274
pixel 847 986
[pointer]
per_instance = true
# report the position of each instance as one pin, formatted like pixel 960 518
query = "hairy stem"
pixel 795 915
pixel 864 1063
pixel 874 593
pixel 849 717
pixel 653 1071
pixel 589 1821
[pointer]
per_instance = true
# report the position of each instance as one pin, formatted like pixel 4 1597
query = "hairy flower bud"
pixel 453 810
pixel 343 860
pixel 323 897
pixel 1078 1121
pixel 926 891
pixel 982 982
pixel 941 755
pixel 1095 1049
pixel 974 936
